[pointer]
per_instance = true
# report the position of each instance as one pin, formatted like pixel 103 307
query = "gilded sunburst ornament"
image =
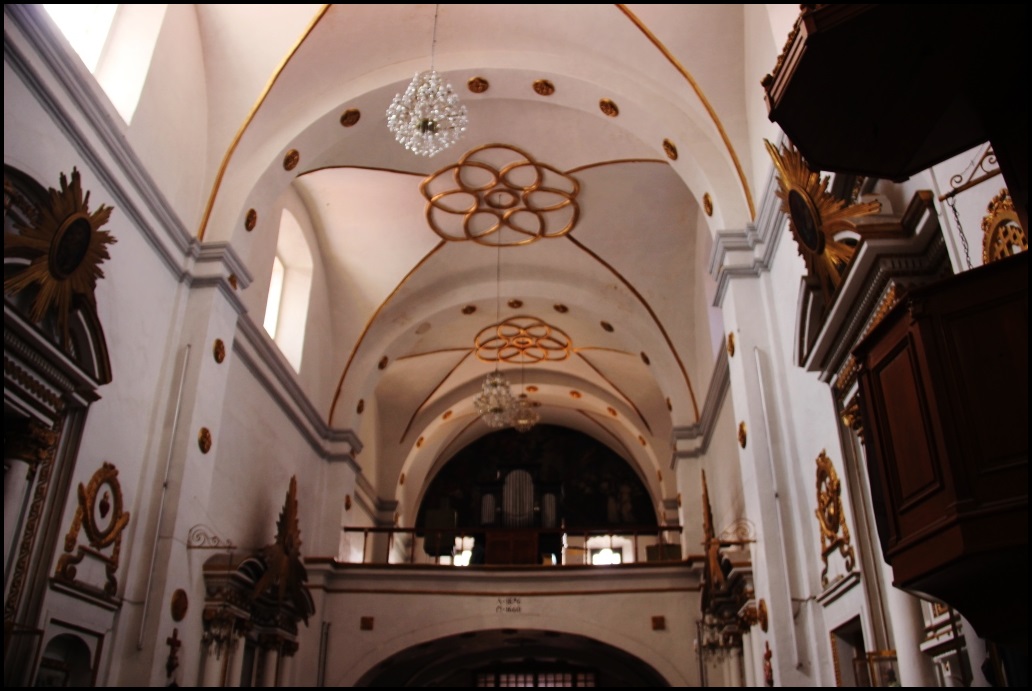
pixel 816 217
pixel 66 247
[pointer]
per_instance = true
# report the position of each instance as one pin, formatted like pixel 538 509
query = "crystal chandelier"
pixel 524 417
pixel 427 117
pixel 495 403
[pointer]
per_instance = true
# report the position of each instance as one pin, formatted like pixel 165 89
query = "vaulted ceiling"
pixel 635 117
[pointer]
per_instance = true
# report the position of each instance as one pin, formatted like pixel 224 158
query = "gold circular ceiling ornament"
pixel 350 117
pixel 669 404
pixel 532 389
pixel 498 189
pixel 478 85
pixel 218 350
pixel 670 149
pixel 251 220
pixel 361 406
pixel 522 340
pixel 606 326
pixel 419 442
pixel 561 308
pixel 383 362
pixel 816 217
pixel 575 394
pixel 707 203
pixel 291 159
pixel 515 304
pixel 645 358
pixel 608 107
pixel 543 87
pixel 742 434
pixel 447 414
pixel 469 309
pixel 641 440
pixel 611 410
pixel 1002 234
pixel 65 247
pixel 204 440
pixel 731 344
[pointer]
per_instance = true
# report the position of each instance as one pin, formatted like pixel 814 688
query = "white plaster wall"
pixel 452 603
pixel 169 130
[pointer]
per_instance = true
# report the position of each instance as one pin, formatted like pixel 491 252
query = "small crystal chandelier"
pixel 524 417
pixel 495 404
pixel 427 117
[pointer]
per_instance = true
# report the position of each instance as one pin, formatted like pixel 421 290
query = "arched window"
pixel 286 309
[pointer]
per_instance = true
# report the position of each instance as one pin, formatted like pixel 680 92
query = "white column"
pixel 907 621
pixel 734 677
pixel 213 666
pixel 270 664
pixel 286 668
pixel 236 662
pixel 748 659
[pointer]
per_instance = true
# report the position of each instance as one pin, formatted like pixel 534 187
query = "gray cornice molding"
pixel 262 358
pixel 691 441
pixel 757 242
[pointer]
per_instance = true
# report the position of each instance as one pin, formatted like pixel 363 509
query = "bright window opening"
pixel 116 43
pixel 86 27
pixel 290 285
pixel 275 301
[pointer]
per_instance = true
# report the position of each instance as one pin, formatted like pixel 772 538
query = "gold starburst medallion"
pixel 816 217
pixel 65 248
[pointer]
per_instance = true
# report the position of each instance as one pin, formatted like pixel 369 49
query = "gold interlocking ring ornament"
pixel 497 187
pixel 522 340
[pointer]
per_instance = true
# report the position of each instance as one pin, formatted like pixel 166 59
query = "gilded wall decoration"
pixel 38 448
pixel 608 107
pixel 707 204
pixel 743 434
pixel 250 220
pixel 201 536
pixel 1002 234
pixel 65 247
pixel 291 159
pixel 218 350
pixel 100 516
pixel 494 188
pixel 831 516
pixel 350 117
pixel 204 440
pixel 478 85
pixel 543 87
pixel 816 217
pixel 670 149
pixel 285 574
pixel 731 344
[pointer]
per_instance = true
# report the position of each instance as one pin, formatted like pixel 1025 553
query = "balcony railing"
pixel 498 547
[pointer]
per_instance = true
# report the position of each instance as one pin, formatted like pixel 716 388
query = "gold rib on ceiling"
pixel 648 307
pixel 702 97
pixel 250 116
pixel 618 390
pixel 365 329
